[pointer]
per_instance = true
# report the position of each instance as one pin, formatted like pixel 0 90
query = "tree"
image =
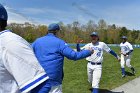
pixel 102 24
pixel 91 26
pixel 71 32
pixel 123 31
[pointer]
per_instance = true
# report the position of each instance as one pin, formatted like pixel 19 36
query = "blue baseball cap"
pixel 53 27
pixel 94 34
pixel 3 13
pixel 124 37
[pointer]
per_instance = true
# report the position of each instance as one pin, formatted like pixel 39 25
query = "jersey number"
pixel 125 48
pixel 99 54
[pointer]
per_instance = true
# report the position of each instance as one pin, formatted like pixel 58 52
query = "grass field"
pixel 75 79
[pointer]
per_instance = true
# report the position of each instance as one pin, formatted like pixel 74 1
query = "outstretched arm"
pixel 114 54
pixel 107 49
pixel 71 54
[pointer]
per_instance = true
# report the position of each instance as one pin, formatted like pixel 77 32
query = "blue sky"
pixel 119 12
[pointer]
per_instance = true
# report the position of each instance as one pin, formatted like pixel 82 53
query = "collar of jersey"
pixel 51 34
pixel 95 43
pixel 124 42
pixel 4 31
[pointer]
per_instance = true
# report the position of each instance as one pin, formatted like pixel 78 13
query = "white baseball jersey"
pixel 19 69
pixel 98 48
pixel 126 47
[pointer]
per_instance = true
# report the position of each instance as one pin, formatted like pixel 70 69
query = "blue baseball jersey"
pixel 50 51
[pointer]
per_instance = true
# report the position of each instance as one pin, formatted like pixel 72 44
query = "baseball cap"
pixel 94 34
pixel 124 37
pixel 53 27
pixel 3 13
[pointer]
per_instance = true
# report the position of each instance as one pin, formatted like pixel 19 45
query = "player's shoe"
pixel 123 76
pixel 133 70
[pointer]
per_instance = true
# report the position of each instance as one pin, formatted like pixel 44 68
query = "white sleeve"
pixel 130 46
pixel 20 61
pixel 106 48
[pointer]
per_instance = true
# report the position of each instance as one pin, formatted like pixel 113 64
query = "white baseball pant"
pixel 94 74
pixel 125 60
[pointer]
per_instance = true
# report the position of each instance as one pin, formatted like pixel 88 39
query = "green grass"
pixel 75 79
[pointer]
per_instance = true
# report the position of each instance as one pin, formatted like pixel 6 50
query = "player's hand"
pixel 125 55
pixel 80 41
pixel 118 58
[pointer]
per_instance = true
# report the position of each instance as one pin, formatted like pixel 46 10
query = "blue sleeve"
pixel 68 52
pixel 113 53
pixel 78 47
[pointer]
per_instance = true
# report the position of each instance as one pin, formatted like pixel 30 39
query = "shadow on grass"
pixel 129 74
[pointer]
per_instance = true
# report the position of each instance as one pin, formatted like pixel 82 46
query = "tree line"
pixel 110 34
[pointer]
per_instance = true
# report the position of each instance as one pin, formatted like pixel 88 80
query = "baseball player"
pixel 50 51
pixel 94 66
pixel 126 51
pixel 20 71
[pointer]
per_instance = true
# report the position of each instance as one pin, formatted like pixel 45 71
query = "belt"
pixel 93 63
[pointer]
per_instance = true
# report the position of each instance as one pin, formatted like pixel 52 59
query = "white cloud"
pixel 33 11
pixel 40 15
pixel 13 17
